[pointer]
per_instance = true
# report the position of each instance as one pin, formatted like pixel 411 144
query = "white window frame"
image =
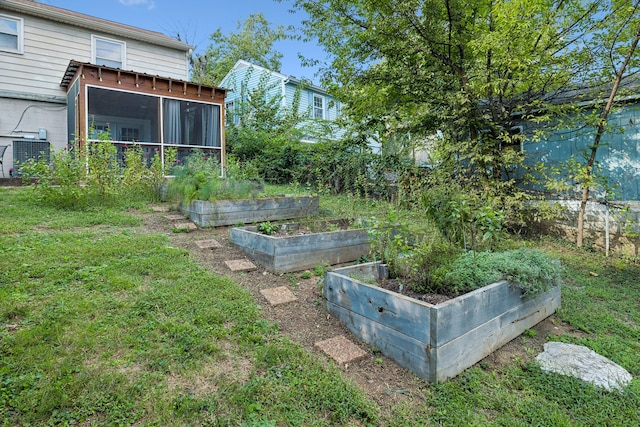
pixel 231 113
pixel 19 34
pixel 315 109
pixel 94 50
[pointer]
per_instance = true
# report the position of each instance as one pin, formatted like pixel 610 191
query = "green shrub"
pixel 90 175
pixel 200 178
pixel 532 270
pixel 474 221
pixel 429 263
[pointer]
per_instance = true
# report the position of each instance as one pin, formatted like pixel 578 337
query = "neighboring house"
pixel 65 76
pixel 312 101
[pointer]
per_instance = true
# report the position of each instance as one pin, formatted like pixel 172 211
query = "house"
pixel 66 76
pixel 311 101
pixel 618 155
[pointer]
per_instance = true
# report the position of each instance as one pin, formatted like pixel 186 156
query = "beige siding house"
pixel 46 99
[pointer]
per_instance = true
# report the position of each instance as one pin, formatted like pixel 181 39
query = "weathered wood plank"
pixel 229 212
pixel 403 314
pixel 457 355
pixel 453 335
pixel 294 253
pixel 466 312
pixel 404 350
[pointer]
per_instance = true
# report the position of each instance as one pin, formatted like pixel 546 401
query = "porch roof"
pixel 83 68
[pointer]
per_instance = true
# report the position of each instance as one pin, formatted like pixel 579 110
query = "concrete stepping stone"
pixel 238 265
pixel 279 295
pixel 583 363
pixel 174 217
pixel 160 208
pixel 341 350
pixel 189 226
pixel 208 244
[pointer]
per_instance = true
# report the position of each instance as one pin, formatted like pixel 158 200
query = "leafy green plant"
pixel 87 174
pixel 320 270
pixel 464 217
pixel 389 241
pixel 200 177
pixel 268 228
pixel 428 263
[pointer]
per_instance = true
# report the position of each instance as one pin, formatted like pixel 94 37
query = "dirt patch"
pixel 306 321
pixel 399 287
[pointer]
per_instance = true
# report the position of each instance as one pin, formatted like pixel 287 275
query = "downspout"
pixel 284 92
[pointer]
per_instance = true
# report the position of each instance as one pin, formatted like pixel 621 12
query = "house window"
pixel 318 107
pixel 232 116
pixel 107 52
pixel 11 36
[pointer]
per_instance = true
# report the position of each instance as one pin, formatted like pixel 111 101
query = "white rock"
pixel 580 362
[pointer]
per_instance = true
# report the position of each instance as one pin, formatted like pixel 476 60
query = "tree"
pixel 618 45
pixel 253 42
pixel 470 69
pixel 459 66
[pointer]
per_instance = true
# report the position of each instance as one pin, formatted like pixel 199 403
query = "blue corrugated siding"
pixel 618 155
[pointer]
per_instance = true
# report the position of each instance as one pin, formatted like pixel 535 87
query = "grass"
pixel 107 326
pixel 101 324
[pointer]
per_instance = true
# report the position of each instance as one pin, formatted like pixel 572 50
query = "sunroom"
pixel 150 111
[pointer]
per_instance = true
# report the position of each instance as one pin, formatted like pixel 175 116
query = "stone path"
pixel 338 348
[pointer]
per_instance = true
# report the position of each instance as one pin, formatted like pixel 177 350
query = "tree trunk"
pixel 600 131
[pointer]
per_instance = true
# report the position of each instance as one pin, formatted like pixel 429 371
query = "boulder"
pixel 581 362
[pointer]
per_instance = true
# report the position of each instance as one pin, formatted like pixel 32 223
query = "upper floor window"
pixel 232 116
pixel 107 52
pixel 11 35
pixel 318 107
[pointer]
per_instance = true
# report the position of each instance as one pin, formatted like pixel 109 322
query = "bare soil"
pixel 306 321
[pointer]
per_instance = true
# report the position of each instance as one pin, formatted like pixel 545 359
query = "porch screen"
pixel 191 123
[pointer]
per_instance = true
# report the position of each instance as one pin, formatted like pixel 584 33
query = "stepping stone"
pixel 174 217
pixel 583 363
pixel 279 295
pixel 341 349
pixel 160 208
pixel 208 244
pixel 190 226
pixel 237 265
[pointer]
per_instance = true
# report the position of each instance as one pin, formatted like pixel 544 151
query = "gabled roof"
pixel 241 64
pixel 76 19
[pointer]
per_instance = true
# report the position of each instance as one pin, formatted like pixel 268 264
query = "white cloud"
pixel 149 3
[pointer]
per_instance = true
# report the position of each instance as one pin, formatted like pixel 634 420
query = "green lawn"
pixel 101 324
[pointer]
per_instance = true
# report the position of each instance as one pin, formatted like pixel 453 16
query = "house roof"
pixel 66 16
pixel 241 63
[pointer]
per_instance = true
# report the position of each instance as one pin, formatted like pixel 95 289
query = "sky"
pixel 197 19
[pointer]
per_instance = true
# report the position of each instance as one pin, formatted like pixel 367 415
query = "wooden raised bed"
pixel 436 342
pixel 244 211
pixel 286 253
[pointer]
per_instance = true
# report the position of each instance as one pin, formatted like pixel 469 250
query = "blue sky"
pixel 197 19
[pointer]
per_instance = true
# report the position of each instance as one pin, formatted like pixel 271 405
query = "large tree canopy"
pixel 253 42
pixel 464 67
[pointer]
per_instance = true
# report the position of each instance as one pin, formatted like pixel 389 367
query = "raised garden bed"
pixel 244 211
pixel 438 341
pixel 296 251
